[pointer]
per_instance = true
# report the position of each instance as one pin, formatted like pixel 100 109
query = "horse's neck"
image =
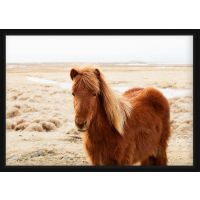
pixel 100 124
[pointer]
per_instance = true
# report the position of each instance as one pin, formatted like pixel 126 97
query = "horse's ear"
pixel 73 73
pixel 97 72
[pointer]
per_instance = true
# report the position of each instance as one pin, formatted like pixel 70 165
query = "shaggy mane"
pixel 117 107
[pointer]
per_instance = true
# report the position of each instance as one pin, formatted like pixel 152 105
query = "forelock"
pixel 87 77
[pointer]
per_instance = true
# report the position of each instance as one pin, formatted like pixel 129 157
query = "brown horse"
pixel 120 130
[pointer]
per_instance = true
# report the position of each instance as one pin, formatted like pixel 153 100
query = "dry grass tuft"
pixel 23 97
pixel 48 126
pixel 20 121
pixel 22 126
pixel 30 109
pixel 13 112
pixel 17 106
pixel 10 124
pixel 13 98
pixel 34 127
pixel 37 120
pixel 56 122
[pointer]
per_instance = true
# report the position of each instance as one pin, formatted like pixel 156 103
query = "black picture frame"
pixel 102 32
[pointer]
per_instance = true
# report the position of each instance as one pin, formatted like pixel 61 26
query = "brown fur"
pixel 120 130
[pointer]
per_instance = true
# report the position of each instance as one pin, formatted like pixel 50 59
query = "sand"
pixel 40 120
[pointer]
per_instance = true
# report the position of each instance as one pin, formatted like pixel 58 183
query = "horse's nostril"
pixel 80 124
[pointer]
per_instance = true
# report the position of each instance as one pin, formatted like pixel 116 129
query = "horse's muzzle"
pixel 81 125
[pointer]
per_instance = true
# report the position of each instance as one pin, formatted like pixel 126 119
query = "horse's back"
pixel 149 97
pixel 133 92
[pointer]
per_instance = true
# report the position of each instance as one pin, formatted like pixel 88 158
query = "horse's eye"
pixel 73 93
pixel 94 94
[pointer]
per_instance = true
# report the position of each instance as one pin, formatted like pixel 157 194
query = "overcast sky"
pixel 151 49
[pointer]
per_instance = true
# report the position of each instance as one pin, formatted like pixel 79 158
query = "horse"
pixel 119 129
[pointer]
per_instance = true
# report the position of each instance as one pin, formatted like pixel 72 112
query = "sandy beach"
pixel 40 120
